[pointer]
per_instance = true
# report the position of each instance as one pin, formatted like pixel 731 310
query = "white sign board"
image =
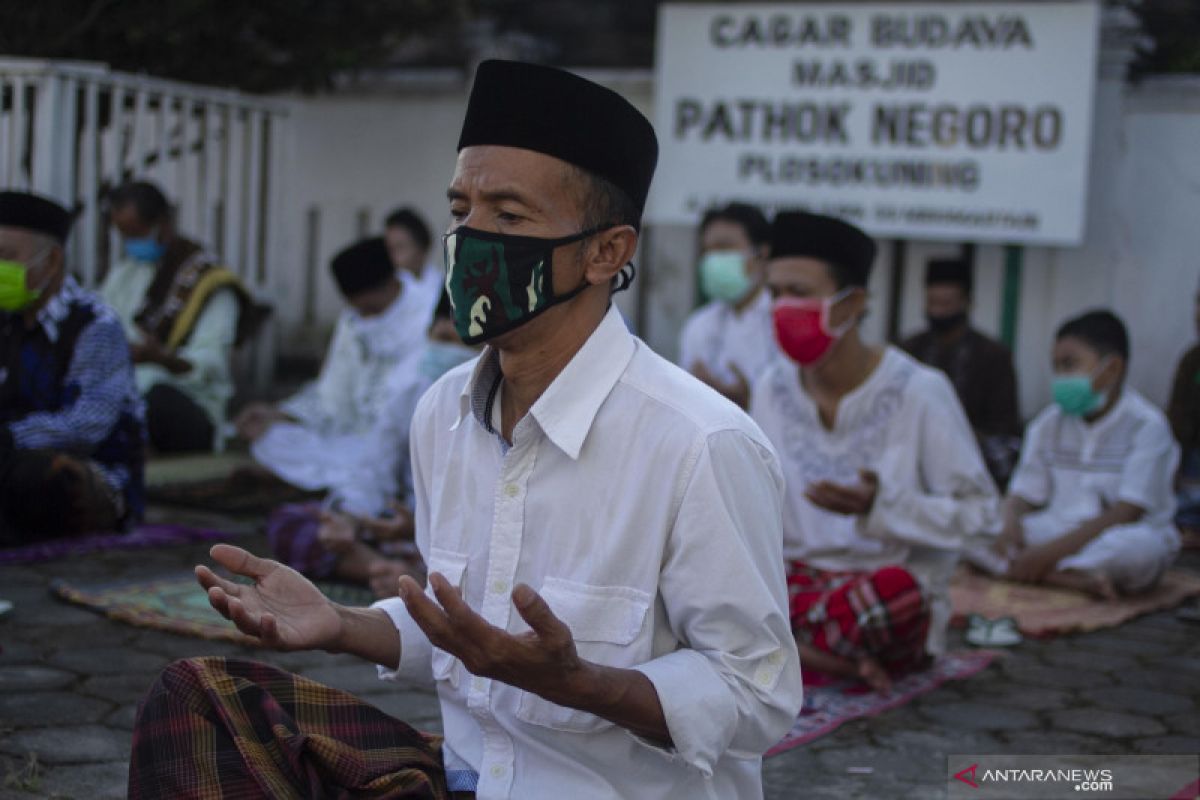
pixel 960 121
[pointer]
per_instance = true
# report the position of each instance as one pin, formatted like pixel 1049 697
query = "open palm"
pixel 282 608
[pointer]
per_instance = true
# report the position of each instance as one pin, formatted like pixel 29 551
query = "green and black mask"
pixel 498 282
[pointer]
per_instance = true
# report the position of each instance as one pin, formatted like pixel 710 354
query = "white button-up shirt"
pixel 716 336
pixel 646 510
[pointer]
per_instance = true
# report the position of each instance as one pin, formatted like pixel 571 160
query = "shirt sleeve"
pixel 734 685
pixel 309 405
pixel 99 382
pixel 690 346
pixel 416 651
pixel 1032 481
pixel 382 470
pixel 954 496
pixel 210 345
pixel 1148 473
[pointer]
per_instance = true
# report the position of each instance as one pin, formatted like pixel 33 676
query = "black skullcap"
pixel 950 270
pixel 848 249
pixel 362 266
pixel 35 213
pixel 560 114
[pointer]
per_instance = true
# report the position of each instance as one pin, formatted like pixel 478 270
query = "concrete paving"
pixel 70 681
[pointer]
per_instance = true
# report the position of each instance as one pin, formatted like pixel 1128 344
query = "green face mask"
pixel 723 276
pixel 1075 395
pixel 15 294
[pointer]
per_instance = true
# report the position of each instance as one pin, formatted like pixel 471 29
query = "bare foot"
pixel 1096 584
pixel 874 675
pixel 385 574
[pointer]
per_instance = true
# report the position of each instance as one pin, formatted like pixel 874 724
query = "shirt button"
pixel 477 684
pixel 512 490
pixel 775 658
pixel 499 586
pixel 498 771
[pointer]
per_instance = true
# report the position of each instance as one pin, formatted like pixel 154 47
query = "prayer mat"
pixel 177 604
pixel 828 706
pixel 141 537
pixel 1042 611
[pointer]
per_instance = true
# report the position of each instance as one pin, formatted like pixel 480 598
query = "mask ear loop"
pixel 828 305
pixel 622 279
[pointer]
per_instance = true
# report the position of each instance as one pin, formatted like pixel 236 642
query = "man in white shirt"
pixel 1090 506
pixel 885 479
pixel 362 532
pixel 312 438
pixel 727 342
pixel 182 314
pixel 606 614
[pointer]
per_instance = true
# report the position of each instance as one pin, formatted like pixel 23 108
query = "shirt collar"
pixel 52 315
pixel 566 410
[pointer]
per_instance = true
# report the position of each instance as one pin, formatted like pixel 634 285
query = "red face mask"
pixel 802 326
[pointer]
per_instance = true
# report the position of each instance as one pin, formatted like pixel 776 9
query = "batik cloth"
pixel 226 728
pixel 882 614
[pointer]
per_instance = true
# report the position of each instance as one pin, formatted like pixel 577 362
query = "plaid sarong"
pixel 224 729
pixel 883 614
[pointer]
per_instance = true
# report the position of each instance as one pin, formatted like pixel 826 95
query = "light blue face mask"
pixel 441 357
pixel 723 276
pixel 147 249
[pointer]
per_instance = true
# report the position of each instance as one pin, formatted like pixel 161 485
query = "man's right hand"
pixel 282 608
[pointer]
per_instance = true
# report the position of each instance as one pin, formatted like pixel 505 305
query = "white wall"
pixel 378 150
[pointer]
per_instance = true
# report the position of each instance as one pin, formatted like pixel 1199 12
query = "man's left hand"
pixel 543 661
pixel 855 500
pixel 150 350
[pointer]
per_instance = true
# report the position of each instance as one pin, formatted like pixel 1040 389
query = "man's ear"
pixel 607 252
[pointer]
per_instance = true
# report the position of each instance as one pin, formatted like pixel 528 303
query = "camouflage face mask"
pixel 498 282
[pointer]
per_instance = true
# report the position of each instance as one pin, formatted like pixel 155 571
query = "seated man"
pixel 1184 413
pixel 359 533
pixel 1091 502
pixel 980 368
pixel 727 343
pixel 606 614
pixel 71 435
pixel 884 478
pixel 311 439
pixel 409 242
pixel 182 314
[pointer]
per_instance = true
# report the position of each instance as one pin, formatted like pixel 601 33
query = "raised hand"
pixel 543 661
pixel 281 608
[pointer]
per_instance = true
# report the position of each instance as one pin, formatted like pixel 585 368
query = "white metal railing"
pixel 73 130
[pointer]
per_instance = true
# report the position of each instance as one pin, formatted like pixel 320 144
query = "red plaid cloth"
pixel 226 729
pixel 881 615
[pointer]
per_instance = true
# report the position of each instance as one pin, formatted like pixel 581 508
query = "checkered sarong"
pixel 883 614
pixel 226 729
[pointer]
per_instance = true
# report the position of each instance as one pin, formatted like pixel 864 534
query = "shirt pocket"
pixel 453 566
pixel 605 622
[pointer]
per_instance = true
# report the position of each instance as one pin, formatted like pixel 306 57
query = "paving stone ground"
pixel 70 681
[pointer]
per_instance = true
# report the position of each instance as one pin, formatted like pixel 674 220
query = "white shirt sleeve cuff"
pixel 416 653
pixel 699 708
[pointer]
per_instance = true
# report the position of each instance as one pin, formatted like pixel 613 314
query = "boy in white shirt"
pixel 727 343
pixel 1091 503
